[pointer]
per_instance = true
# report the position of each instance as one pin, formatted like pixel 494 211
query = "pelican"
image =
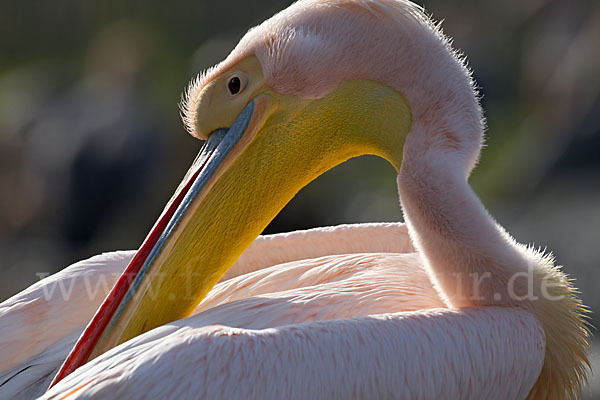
pixel 447 305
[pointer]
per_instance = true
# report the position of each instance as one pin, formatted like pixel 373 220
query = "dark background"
pixel 91 145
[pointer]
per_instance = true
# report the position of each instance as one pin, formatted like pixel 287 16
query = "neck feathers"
pixel 473 261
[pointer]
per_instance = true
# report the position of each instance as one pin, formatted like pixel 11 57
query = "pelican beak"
pixel 239 182
pixel 107 328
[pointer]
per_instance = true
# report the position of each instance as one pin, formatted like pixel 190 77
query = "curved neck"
pixel 470 257
pixel 473 261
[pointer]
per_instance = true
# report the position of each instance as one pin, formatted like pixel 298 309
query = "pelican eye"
pixel 236 83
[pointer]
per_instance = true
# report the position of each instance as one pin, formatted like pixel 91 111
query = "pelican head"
pixel 315 85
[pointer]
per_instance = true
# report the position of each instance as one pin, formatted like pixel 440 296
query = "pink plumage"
pixel 372 311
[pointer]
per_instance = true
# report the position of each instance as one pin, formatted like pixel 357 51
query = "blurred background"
pixel 92 147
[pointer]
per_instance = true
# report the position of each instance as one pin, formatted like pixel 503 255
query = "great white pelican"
pixel 447 306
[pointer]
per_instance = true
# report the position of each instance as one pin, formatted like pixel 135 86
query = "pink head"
pixel 313 46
